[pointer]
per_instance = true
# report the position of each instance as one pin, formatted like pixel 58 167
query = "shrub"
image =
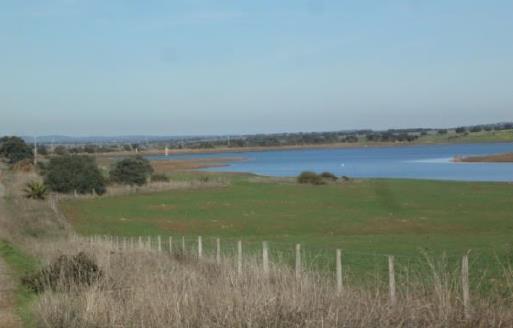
pixel 329 176
pixel 60 150
pixel 159 178
pixel 310 177
pixel 131 171
pixel 64 274
pixel 14 150
pixel 74 172
pixel 35 190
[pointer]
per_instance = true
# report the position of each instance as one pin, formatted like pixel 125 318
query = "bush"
pixel 131 171
pixel 74 172
pixel 65 273
pixel 35 190
pixel 14 150
pixel 329 176
pixel 159 178
pixel 310 177
pixel 60 150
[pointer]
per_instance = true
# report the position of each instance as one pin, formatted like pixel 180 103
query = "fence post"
pixel 339 271
pixel 200 247
pixel 148 243
pixel 183 245
pixel 218 251
pixel 239 257
pixel 465 286
pixel 140 243
pixel 170 245
pixel 298 261
pixel 159 244
pixel 391 280
pixel 265 257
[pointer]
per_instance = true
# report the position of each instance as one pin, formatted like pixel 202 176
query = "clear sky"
pixel 166 67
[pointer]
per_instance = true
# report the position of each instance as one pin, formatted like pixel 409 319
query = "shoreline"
pixel 495 158
pixel 191 151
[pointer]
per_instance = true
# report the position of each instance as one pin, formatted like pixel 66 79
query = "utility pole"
pixel 35 151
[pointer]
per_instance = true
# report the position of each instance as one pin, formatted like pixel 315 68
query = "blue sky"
pixel 113 67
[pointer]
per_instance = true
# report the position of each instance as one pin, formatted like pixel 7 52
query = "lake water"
pixel 418 162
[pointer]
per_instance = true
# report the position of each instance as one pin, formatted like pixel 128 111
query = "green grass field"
pixel 363 218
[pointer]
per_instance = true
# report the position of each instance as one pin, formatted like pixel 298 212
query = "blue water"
pixel 416 162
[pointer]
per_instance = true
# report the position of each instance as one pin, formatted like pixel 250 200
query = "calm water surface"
pixel 418 162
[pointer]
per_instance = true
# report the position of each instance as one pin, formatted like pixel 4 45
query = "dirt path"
pixel 8 316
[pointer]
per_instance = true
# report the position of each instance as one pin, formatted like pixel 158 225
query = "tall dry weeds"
pixel 142 288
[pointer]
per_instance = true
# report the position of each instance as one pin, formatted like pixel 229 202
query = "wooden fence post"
pixel 339 270
pixel 239 257
pixel 183 244
pixel 200 247
pixel 298 261
pixel 218 251
pixel 148 243
pixel 265 257
pixel 159 244
pixel 465 286
pixel 170 245
pixel 140 243
pixel 391 280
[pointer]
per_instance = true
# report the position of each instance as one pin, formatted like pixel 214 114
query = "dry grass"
pixel 497 158
pixel 143 288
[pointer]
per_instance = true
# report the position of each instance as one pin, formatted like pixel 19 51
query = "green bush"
pixel 159 178
pixel 131 171
pixel 329 176
pixel 311 178
pixel 35 190
pixel 74 172
pixel 14 150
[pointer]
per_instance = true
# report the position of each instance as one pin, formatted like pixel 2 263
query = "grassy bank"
pixel 21 264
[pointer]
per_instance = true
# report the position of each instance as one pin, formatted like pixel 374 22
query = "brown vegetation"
pixel 143 287
pixel 497 158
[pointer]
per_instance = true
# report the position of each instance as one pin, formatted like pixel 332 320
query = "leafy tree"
pixel 68 173
pixel 14 149
pixel 131 171
pixel 42 150
pixel 60 150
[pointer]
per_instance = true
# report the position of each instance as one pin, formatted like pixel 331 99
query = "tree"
pixel 14 149
pixel 131 171
pixel 60 150
pixel 42 150
pixel 68 173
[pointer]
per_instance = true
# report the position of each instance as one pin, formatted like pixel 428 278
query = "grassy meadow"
pixel 366 218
